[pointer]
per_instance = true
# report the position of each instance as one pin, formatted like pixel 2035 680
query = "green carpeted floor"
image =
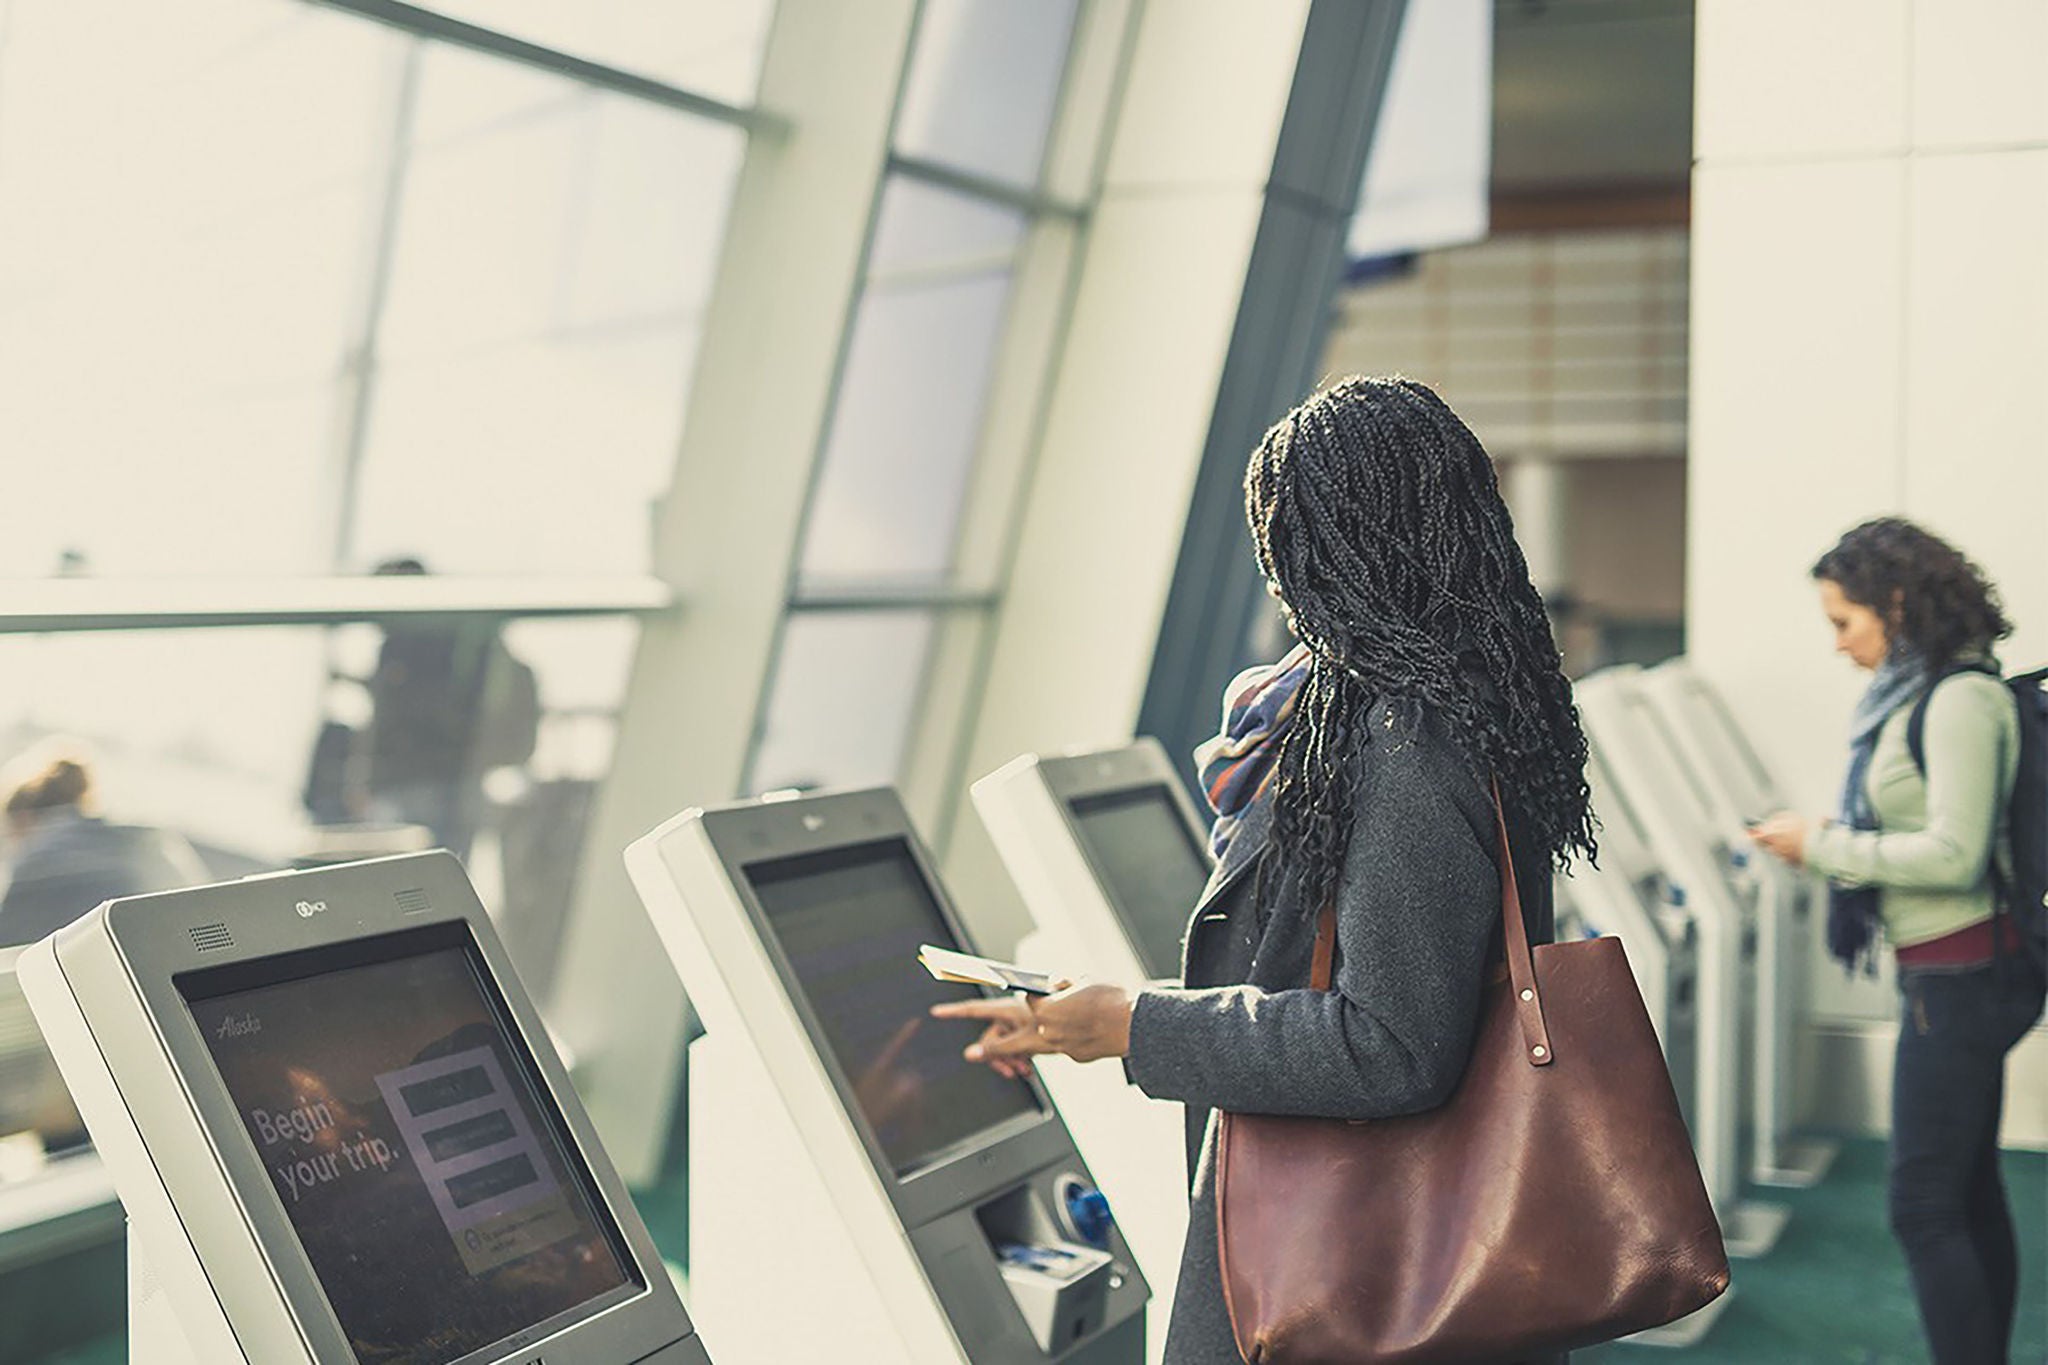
pixel 1834 1290
pixel 1832 1293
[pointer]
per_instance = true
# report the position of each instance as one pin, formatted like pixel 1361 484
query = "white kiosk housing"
pixel 1628 896
pixel 1110 858
pixel 55 1192
pixel 1655 782
pixel 1738 787
pixel 928 1209
pixel 340 1132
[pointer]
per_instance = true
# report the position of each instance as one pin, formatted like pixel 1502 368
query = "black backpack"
pixel 2025 898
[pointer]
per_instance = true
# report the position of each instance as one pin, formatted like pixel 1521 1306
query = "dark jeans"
pixel 1948 1204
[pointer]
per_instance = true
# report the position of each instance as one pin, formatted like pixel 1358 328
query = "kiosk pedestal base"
pixel 1750 1230
pixel 1799 1163
pixel 154 1336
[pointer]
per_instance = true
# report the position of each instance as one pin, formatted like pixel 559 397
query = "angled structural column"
pixel 727 535
pixel 1208 265
pixel 1204 637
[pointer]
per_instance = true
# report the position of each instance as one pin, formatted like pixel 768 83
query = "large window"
pixel 914 389
pixel 550 252
pixel 287 292
pixel 882 592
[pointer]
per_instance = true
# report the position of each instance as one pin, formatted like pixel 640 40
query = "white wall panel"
pixel 1797 340
pixel 1793 78
pixel 1977 339
pixel 1980 72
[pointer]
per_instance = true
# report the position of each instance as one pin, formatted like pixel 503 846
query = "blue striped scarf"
pixel 1237 764
pixel 1855 911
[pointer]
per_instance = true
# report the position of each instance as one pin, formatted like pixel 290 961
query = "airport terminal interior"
pixel 558 561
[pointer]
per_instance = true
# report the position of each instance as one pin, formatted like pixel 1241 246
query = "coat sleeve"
pixel 1418 904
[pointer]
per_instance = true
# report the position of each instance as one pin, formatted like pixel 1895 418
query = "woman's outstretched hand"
pixel 1087 1023
pixel 1783 836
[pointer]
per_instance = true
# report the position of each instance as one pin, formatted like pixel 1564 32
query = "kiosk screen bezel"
pixel 158 938
pixel 1136 768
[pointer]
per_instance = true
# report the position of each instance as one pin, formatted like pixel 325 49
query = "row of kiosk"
pixel 341 1133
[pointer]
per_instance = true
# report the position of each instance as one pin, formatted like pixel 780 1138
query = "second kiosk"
pixel 1110 858
pixel 930 1209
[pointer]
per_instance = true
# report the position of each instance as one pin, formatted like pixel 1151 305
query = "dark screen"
pixel 850 921
pixel 413 1156
pixel 1150 865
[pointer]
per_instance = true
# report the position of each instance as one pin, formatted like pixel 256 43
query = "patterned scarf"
pixel 1854 912
pixel 1237 764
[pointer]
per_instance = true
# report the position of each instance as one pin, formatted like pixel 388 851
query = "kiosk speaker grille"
pixel 209 937
pixel 413 902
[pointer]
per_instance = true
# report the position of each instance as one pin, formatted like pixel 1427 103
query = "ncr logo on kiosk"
pixel 308 909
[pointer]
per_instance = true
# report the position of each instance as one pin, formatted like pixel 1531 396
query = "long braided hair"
pixel 1379 525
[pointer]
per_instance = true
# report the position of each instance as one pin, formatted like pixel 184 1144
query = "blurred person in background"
pixel 66 858
pixel 448 704
pixel 1915 854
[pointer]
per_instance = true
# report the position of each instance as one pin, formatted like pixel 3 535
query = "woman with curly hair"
pixel 1354 772
pixel 1917 851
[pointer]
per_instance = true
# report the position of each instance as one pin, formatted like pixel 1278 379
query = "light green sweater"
pixel 1932 853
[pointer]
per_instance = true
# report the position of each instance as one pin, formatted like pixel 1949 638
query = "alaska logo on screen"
pixel 232 1027
pixel 308 909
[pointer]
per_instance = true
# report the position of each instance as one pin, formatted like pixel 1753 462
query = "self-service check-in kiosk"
pixel 1110 857
pixel 1737 787
pixel 928 1208
pixel 340 1132
pixel 1653 778
pixel 1628 896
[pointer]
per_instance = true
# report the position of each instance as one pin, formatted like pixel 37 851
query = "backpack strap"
pixel 1916 724
pixel 1916 744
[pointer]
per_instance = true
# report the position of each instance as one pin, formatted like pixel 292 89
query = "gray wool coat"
pixel 1418 923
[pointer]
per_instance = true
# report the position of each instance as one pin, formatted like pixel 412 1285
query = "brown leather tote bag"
pixel 1553 1202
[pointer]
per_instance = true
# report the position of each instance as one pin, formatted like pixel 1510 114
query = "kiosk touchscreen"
pixel 1110 858
pixel 1738 788
pixel 340 1132
pixel 930 1209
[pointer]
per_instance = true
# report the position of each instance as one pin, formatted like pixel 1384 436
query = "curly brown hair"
pixel 1933 599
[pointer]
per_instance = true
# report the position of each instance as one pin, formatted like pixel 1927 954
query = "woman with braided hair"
pixel 1355 772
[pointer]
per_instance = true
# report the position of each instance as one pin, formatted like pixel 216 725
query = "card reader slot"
pixel 1060 1286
